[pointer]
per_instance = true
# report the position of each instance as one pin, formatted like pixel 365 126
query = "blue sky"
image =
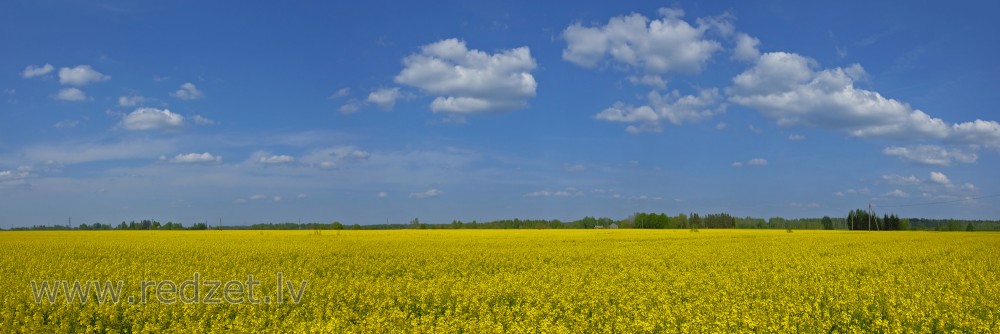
pixel 365 113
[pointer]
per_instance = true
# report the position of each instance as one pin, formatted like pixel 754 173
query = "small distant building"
pixel 613 225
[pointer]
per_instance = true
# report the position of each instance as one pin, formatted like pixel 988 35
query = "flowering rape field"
pixel 481 281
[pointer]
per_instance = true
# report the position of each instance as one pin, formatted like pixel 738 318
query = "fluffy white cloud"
pixel 384 98
pixel 80 75
pixel 737 164
pixel 672 107
pixel 152 119
pixel 343 92
pixel 188 91
pixel 568 192
pixel 333 158
pixel 32 71
pixel 978 132
pixel 427 194
pixel 940 178
pixel 350 107
pixel 202 120
pixel 787 87
pixel 655 46
pixel 896 193
pixel 901 180
pixel 275 159
pixel 746 48
pixel 70 94
pixel 931 154
pixel 650 80
pixel 470 81
pixel 197 158
pixel 381 194
pixel 130 101
pixel 757 162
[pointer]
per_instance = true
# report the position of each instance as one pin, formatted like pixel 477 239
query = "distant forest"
pixel 855 220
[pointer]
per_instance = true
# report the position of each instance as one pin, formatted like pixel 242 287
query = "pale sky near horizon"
pixel 383 111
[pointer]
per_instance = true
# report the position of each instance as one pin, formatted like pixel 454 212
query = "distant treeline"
pixel 856 220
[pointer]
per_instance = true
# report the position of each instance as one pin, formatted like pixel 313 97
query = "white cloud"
pixel 197 158
pixel 71 94
pixel 470 81
pixel 931 154
pixel 66 124
pixel 672 108
pixel 130 101
pixel 746 48
pixel 333 158
pixel 152 119
pixel 275 159
pixel 721 125
pixel 574 168
pixel 202 120
pixel 301 195
pixel 80 75
pixel 648 45
pixel 276 198
pixel 796 137
pixel 940 178
pixel 651 80
pixel 384 98
pixel 343 92
pixel 568 192
pixel 381 194
pixel 737 164
pixel 427 194
pixel 350 107
pixel 787 87
pixel 896 193
pixel 257 197
pixel 901 180
pixel 32 71
pixel 757 162
pixel 188 91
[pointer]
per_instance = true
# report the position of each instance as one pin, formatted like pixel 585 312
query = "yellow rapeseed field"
pixel 520 281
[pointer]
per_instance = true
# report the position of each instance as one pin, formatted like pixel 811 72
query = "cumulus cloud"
pixel 275 159
pixel 32 71
pixel 197 158
pixel 130 101
pixel 350 107
pixel 931 154
pixel 757 162
pixel 746 48
pixel 568 192
pixel 152 119
pixel 202 120
pixel 427 194
pixel 901 180
pixel 80 75
pixel 336 157
pixel 384 98
pixel 896 193
pixel 668 43
pixel 790 89
pixel 188 91
pixel 737 164
pixel 671 107
pixel 70 94
pixel 650 80
pixel 470 81
pixel 343 92
pixel 940 178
